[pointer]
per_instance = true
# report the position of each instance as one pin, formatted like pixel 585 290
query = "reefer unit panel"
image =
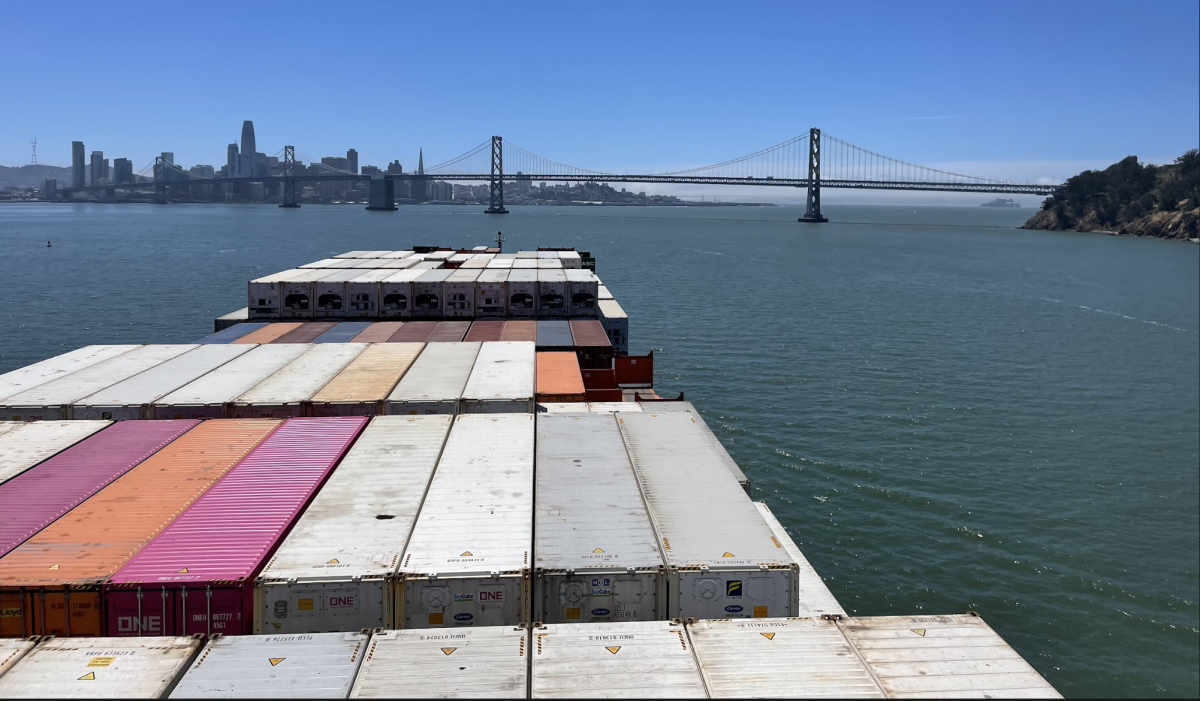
pixel 723 559
pixel 552 292
pixel 233 333
pixel 27 445
pixel 63 566
pixel 361 388
pixel 31 376
pixel 378 332
pixel 321 666
pixel 286 392
pixel 52 400
pixel 523 293
pixel 13 650
pixel 434 384
pixel 502 380
pixel 362 294
pixel 489 662
pixel 467 562
pixel 813 596
pixel 343 332
pixel 491 294
pixel 266 293
pixel 956 656
pixel 779 658
pixel 597 556
pixel 132 398
pixel 333 571
pixel 642 660
pixel 582 292
pixel 396 294
pixel 91 668
pixel 329 292
pixel 459 298
pixel 201 568
pixel 298 294
pixel 209 396
pixel 428 293
pixel 616 323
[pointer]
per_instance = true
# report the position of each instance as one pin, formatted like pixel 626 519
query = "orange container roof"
pixel 91 542
pixel 268 333
pixel 558 373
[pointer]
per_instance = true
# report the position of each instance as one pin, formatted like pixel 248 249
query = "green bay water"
pixel 947 413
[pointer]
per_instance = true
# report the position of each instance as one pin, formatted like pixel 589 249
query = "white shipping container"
pixel 330 294
pixel 399 263
pixel 133 398
pixel 428 265
pixel 501 263
pixel 323 263
pixel 612 407
pixel 467 562
pixel 571 260
pixel 602 292
pixel 479 261
pixel 333 571
pixel 297 294
pixel 25 447
pixel 208 397
pixel 561 408
pixel 396 294
pixel 459 293
pixel 353 254
pixel 362 294
pixel 52 400
pixel 527 254
pixel 522 293
pixel 549 263
pixel 525 263
pixel 649 659
pixel 779 658
pixel 582 292
pixel 352 263
pixel 285 393
pixel 489 662
pixel 460 258
pixel 543 255
pixel 369 264
pixel 664 407
pixel 31 376
pixel 955 656
pixel 503 378
pixel 320 666
pixel 616 323
pixel 435 382
pixel 491 294
pixel 724 560
pixel 813 596
pixel 266 293
pixel 552 293
pixel 439 255
pixel 12 650
pixel 597 557
pixel 399 254
pixel 130 668
pixel 427 293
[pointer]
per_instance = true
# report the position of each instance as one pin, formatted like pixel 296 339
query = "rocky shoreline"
pixel 1178 226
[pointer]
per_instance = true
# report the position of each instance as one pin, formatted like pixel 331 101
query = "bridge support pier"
pixel 812 212
pixel 289 179
pixel 496 184
pixel 383 194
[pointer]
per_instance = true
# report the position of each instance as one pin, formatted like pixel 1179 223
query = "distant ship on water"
pixel 1002 202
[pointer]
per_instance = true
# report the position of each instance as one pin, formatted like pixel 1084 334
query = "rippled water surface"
pixel 946 413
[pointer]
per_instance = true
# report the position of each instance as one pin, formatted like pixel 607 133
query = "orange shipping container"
pixel 61 568
pixel 268 333
pixel 519 331
pixel 360 388
pixel 558 377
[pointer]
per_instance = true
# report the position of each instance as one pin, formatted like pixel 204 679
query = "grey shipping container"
pixel 12 650
pixel 319 666
pixel 396 294
pixel 459 294
pixel 552 292
pixel 616 323
pixel 489 662
pixel 428 293
pixel 502 379
pixel 597 557
pixel 208 397
pixel 286 392
pixel 132 668
pixel 31 376
pixel 664 407
pixel 491 294
pixel 522 293
pixel 813 596
pixel 583 291
pixel 343 332
pixel 434 384
pixel 554 336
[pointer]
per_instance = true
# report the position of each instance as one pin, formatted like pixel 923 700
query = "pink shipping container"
pixel 37 497
pixel 199 572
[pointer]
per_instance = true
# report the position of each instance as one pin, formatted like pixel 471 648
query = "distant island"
pixel 1128 199
pixel 1005 202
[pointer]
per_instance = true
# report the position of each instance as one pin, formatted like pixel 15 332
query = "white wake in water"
pixel 1102 311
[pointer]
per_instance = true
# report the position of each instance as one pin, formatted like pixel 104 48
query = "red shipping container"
pixel 635 370
pixel 485 331
pixel 519 331
pixel 414 332
pixel 37 497
pixel 604 395
pixel 592 344
pixel 200 570
pixel 449 331
pixel 599 379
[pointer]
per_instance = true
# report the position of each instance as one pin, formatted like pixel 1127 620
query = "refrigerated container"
pixel 478 261
pixel 362 386
pixel 369 264
pixel 396 294
pixel 233 333
pixel 485 331
pixel 459 293
pixel 549 263
pixel 330 294
pixel 502 380
pixel 362 294
pixel 597 556
pixel 334 570
pixel 434 384
pixel 378 332
pixel 523 293
pixel 305 333
pixel 603 293
pixel 353 254
pixel 201 568
pixel 323 263
pixel 489 662
pixel 500 263
pixel 727 567
pixel 438 255
pixel 779 658
pixel 582 292
pixel 525 264
pixel 146 668
pixel 632 660
pixel 27 444
pixel 343 332
pixel 558 378
pixel 552 292
pixel 428 293
pixel 270 332
pixel 209 396
pixel 616 323
pixel 554 335
pixel 401 264
pixel 560 408
pixel 285 393
pixel 812 595
pixel 321 666
pixel 398 254
pixel 63 566
pixel 52 400
pixel 665 407
pixel 266 293
pixel 11 651
pixel 571 260
pixel 134 398
pixel 519 331
pixel 524 255
pixel 414 332
pixel 951 656
pixel 592 346
pixel 491 294
pixel 428 265
pixel 467 561
pixel 48 370
pixel 297 294
pixel 458 259
pixel 613 407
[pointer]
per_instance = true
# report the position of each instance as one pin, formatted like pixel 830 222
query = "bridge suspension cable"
pixel 842 160
pixel 473 161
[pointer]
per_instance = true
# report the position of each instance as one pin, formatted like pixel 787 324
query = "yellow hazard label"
pixel 760 611
pixel 101 661
pixel 572 614
pixel 334 561
pixel 919 631
pixel 448 650
pixel 614 649
pixel 53 567
pixel 89 677
pixel 768 636
pixel 276 660
pixel 182 571
pixel 466 553
pixel 435 619
pixel 305 604
pixel 598 550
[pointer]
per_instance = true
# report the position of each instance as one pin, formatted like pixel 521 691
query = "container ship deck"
pixel 429 472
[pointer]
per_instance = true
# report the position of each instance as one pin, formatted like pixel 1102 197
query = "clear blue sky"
pixel 1010 89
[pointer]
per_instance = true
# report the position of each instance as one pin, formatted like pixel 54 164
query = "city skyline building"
pixel 122 171
pixel 77 166
pixel 96 169
pixel 247 152
pixel 352 158
pixel 420 185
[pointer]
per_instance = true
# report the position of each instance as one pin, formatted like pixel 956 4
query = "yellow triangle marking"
pixel 334 561
pixel 919 631
pixel 53 567
pixel 727 555
pixel 768 636
pixel 448 650
pixel 598 550
pixel 182 571
pixel 89 677
pixel 467 554
pixel 613 649
pixel 276 660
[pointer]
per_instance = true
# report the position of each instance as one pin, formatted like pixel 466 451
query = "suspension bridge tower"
pixel 496 184
pixel 289 179
pixel 812 212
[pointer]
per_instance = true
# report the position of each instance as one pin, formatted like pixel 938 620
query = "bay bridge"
pixel 811 161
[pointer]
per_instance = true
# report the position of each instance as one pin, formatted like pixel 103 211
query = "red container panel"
pixel 635 370
pixel 414 332
pixel 449 331
pixel 200 570
pixel 592 345
pixel 519 331
pixel 37 497
pixel 306 332
pixel 604 395
pixel 485 331
pixel 599 379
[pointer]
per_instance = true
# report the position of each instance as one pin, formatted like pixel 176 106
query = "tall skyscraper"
pixel 96 169
pixel 77 167
pixel 352 156
pixel 246 159
pixel 420 184
pixel 231 161
pixel 122 171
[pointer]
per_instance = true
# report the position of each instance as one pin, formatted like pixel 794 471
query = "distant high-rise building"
pixel 122 171
pixel 394 168
pixel 370 170
pixel 248 145
pixel 420 184
pixel 247 157
pixel 352 157
pixel 168 157
pixel 231 160
pixel 336 162
pixel 96 168
pixel 49 189
pixel 77 167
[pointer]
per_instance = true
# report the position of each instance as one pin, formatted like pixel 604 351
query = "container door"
pixel 751 594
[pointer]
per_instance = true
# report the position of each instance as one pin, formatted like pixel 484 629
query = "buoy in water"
pixel 47 244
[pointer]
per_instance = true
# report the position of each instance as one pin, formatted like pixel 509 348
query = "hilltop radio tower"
pixel 34 142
